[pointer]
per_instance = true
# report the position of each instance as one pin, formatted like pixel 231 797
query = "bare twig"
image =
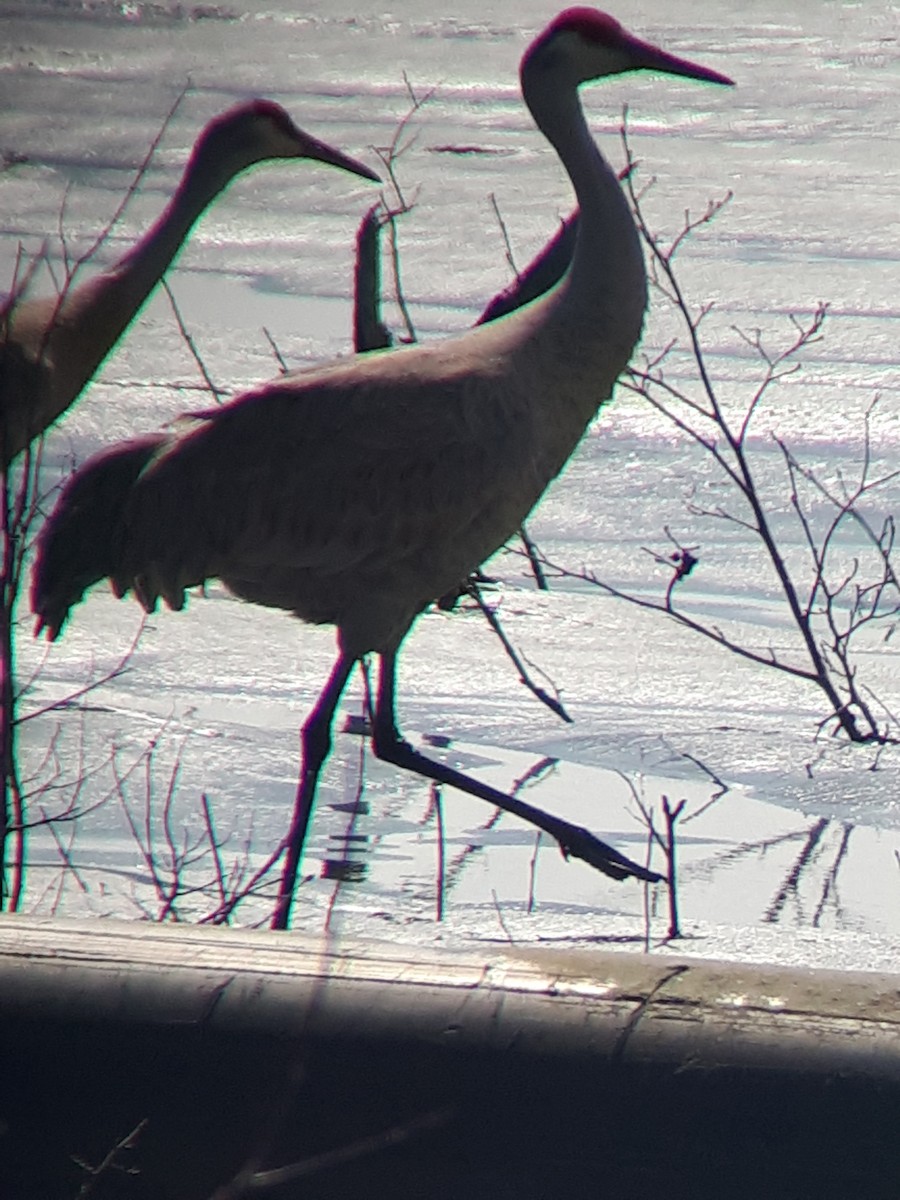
pixel 532 871
pixel 111 1163
pixel 671 815
pixel 552 702
pixel 438 805
pixel 217 393
pixel 399 205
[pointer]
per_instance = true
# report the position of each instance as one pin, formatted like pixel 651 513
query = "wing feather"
pixel 358 467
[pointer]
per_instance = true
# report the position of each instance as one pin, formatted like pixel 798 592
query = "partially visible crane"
pixel 51 347
pixel 546 269
pixel 356 493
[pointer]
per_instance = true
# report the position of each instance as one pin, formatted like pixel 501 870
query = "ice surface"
pixel 796 861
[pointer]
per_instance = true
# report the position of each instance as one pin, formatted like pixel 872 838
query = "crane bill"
pixel 322 152
pixel 650 58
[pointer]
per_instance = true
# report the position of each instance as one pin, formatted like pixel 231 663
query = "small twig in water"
pixel 437 802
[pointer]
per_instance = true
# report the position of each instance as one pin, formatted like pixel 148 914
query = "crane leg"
pixel 573 840
pixel 316 742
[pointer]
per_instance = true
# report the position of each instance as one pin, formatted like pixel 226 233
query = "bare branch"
pixel 552 702
pixel 216 392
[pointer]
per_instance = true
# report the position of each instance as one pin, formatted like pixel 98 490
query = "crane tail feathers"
pixel 78 545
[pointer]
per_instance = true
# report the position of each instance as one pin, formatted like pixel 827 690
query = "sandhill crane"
pixel 51 347
pixel 545 269
pixel 357 493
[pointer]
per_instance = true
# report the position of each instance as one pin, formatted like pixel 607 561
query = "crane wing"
pixel 356 467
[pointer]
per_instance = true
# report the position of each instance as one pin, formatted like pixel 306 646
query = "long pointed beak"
pixel 322 152
pixel 650 58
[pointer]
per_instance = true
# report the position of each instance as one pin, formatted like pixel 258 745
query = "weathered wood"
pixel 639 1005
pixel 497 1070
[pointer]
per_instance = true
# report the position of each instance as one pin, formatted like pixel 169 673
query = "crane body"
pixel 357 493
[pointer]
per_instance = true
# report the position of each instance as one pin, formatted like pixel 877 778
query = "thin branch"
pixel 552 702
pixel 217 392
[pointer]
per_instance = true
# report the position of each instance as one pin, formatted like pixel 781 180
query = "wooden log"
pixel 433 1073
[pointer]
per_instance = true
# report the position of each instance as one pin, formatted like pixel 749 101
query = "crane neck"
pixel 605 287
pixel 138 271
pixel 88 321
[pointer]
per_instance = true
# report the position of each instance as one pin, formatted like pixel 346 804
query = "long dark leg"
pixel 573 840
pixel 316 740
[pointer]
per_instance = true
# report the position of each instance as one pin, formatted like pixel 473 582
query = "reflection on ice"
pixel 443 867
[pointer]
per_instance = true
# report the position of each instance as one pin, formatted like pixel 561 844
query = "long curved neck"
pixel 137 272
pixel 68 339
pixel 102 308
pixel 51 348
pixel 601 300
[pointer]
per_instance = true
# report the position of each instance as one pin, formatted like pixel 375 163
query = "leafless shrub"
pixel 46 787
pixel 189 871
pixel 837 590
pixel 23 497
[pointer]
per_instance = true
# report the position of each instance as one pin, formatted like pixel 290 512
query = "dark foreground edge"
pixel 352 1069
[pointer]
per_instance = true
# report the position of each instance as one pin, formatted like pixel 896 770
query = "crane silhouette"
pixel 50 347
pixel 357 493
pixel 546 269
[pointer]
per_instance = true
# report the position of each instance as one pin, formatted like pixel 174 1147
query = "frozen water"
pixel 796 861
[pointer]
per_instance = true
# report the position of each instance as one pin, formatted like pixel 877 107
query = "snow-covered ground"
pixel 788 844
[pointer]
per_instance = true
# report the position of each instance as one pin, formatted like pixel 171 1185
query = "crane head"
pixel 595 44
pixel 260 130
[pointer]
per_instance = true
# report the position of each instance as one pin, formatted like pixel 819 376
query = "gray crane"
pixel 356 493
pixel 50 347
